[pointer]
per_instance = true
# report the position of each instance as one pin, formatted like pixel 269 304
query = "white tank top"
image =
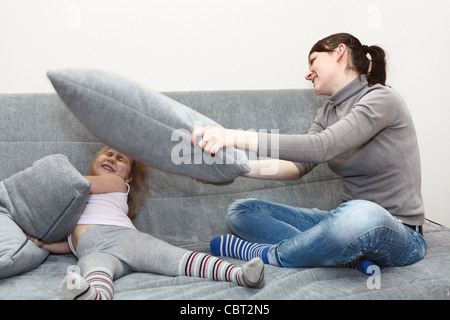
pixel 107 209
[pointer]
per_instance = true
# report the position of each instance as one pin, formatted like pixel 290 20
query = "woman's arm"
pixel 374 112
pixel 107 183
pixel 215 138
pixel 273 169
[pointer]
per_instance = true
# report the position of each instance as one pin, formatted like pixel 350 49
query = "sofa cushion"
pixel 146 125
pixel 45 201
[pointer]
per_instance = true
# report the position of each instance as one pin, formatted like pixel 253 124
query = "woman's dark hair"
pixel 374 69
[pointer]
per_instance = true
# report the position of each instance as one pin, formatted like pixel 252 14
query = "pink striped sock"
pixel 100 280
pixel 197 264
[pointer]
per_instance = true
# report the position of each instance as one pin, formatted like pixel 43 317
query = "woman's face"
pixel 323 68
pixel 111 161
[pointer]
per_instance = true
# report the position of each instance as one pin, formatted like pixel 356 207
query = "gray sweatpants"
pixel 123 250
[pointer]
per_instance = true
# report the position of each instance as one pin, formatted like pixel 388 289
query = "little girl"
pixel 108 246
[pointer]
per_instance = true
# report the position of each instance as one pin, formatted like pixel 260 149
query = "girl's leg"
pixel 145 253
pixel 97 271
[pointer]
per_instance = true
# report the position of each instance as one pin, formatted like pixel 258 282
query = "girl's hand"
pixel 36 241
pixel 60 247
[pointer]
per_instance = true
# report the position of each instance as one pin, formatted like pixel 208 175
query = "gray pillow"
pixel 45 201
pixel 146 125
pixel 17 254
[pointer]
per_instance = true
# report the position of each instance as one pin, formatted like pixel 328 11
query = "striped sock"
pixel 360 264
pixel 231 246
pixel 96 285
pixel 100 280
pixel 197 264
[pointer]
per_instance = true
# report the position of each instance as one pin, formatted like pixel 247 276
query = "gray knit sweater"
pixel 367 136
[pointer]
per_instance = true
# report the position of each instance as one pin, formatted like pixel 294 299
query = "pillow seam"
pixel 112 99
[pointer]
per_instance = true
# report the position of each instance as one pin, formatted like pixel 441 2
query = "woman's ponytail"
pixel 377 72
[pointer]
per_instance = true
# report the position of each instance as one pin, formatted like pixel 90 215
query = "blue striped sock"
pixel 231 246
pixel 360 264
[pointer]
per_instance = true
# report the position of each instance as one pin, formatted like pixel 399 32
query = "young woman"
pixel 366 135
pixel 108 246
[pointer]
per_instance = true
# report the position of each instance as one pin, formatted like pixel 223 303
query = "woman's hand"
pixel 215 138
pixel 212 138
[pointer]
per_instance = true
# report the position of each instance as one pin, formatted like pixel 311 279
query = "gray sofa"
pixel 189 214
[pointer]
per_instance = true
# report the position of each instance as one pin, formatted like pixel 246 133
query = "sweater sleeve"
pixel 306 167
pixel 371 114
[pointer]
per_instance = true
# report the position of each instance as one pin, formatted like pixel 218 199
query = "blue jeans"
pixel 311 237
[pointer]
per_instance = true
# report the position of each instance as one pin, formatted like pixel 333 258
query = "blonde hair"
pixel 139 191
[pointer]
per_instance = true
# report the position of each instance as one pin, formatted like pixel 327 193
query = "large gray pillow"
pixel 146 125
pixel 45 201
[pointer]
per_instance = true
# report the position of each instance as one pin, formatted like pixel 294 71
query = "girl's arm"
pixel 107 183
pixel 99 184
pixel 60 247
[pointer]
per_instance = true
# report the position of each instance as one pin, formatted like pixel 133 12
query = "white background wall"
pixel 239 44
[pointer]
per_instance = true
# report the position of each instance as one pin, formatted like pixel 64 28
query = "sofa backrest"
pixel 180 209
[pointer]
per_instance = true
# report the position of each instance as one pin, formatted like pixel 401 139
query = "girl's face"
pixel 110 161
